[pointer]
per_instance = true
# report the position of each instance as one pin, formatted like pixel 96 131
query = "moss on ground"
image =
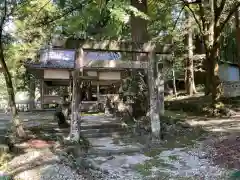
pixel 5 158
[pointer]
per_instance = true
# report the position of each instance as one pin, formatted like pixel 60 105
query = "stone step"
pixel 96 151
pixel 106 134
pixel 112 145
pixel 84 126
pixel 100 126
pixel 109 152
pixel 88 132
pixel 3 148
pixel 113 149
pixel 102 130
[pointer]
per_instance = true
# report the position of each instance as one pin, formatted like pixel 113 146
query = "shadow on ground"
pixel 199 105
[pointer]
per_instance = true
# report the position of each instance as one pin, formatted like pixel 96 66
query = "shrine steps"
pixel 107 130
pixel 101 126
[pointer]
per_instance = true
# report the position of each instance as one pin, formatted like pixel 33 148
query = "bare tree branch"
pixel 2 60
pixel 232 11
pixel 202 24
pixel 57 17
pixel 42 8
pixel 202 17
pixel 220 28
pixel 3 19
pixel 218 10
pixel 196 19
pixel 175 23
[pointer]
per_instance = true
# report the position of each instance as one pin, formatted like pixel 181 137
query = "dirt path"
pixel 40 163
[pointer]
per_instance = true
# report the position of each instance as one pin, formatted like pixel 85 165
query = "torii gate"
pixel 155 77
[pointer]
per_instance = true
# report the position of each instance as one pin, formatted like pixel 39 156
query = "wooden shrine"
pixel 104 64
pixel 78 63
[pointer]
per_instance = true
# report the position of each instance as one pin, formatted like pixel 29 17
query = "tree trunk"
pixel 189 74
pixel 17 125
pixel 208 86
pixel 209 41
pixel 139 31
pixel 215 80
pixel 139 25
pixel 237 34
pixel 214 42
pixel 140 34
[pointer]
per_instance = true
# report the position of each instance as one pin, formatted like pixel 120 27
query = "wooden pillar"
pixel 32 89
pixel 98 93
pixel 160 89
pixel 237 25
pixel 42 93
pixel 70 87
pixel 154 96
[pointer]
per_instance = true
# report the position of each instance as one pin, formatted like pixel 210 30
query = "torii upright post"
pixel 156 93
pixel 75 116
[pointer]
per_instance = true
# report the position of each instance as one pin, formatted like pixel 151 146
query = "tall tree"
pixel 211 18
pixel 237 26
pixel 189 69
pixel 7 9
pixel 22 34
pixel 139 29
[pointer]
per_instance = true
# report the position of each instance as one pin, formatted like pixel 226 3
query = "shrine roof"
pixel 50 65
pixel 65 59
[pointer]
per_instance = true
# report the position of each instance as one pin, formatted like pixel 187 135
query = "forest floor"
pixel 195 146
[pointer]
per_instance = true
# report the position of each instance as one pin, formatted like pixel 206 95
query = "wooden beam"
pixel 119 46
pixel 112 64
pixel 88 77
pixel 98 91
pixel 105 83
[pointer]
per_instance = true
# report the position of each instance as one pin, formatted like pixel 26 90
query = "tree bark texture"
pixel 189 69
pixel 237 25
pixel 76 100
pixel 138 25
pixel 215 80
pixel 214 52
pixel 17 126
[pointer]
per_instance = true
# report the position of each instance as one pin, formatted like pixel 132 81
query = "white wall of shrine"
pixel 56 74
pixel 109 75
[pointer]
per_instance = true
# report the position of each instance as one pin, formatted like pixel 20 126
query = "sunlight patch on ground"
pixel 173 98
pixel 213 122
pixel 181 163
pixel 217 125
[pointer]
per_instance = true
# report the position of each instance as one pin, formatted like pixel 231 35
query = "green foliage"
pixel 135 90
pixel 229 45
pixel 97 20
pixel 28 37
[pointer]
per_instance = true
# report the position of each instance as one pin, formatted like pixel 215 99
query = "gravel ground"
pixel 42 165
